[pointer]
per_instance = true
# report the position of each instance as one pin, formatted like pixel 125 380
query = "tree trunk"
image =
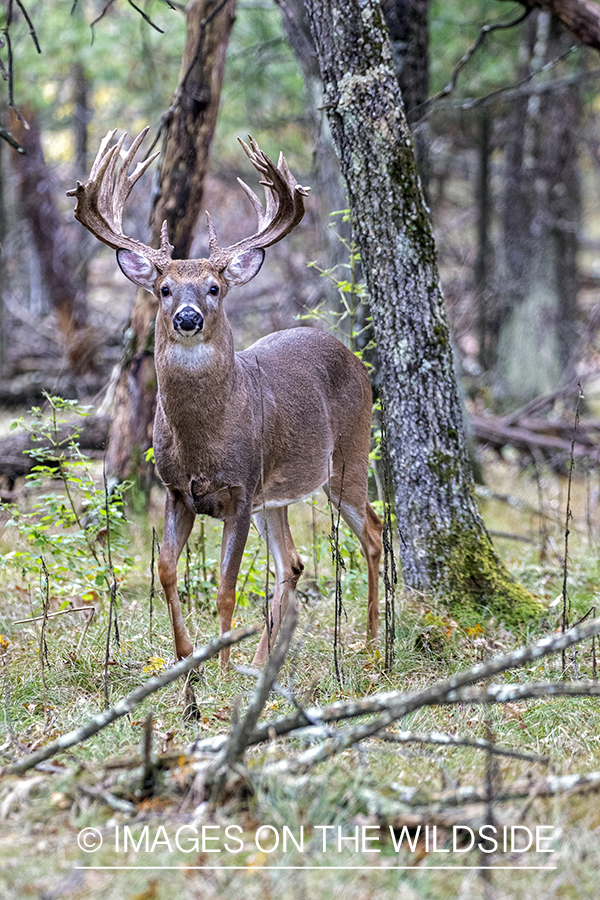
pixel 3 232
pixel 408 24
pixel 580 17
pixel 326 178
pixel 444 546
pixel 187 138
pixel 37 197
pixel 483 262
pixel 537 341
pixel 81 121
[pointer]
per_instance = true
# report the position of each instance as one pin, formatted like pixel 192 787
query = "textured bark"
pixel 184 162
pixel 537 339
pixel 444 546
pixel 3 231
pixel 37 197
pixel 483 263
pixel 191 125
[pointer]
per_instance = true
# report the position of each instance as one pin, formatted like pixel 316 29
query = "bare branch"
pixel 240 735
pixel 397 704
pixel 441 739
pixel 30 23
pixel 145 17
pixel 487 29
pixel 404 703
pixel 130 702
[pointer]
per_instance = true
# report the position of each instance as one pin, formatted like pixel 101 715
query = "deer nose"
pixel 188 319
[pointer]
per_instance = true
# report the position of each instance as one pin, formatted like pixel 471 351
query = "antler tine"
pixel 101 151
pixel 106 198
pixel 283 209
pixel 100 201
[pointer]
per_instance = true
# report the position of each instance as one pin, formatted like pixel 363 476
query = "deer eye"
pixel 165 290
pixel 214 289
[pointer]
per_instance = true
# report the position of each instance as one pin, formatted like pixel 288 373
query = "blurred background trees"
pixel 507 146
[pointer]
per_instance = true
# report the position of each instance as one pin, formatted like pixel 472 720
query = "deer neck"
pixel 196 385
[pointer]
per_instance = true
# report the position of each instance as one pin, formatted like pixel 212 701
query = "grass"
pixel 42 813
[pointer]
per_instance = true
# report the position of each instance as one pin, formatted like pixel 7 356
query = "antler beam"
pixel 284 206
pixel 101 200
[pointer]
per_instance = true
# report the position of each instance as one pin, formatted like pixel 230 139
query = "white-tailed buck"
pixel 240 435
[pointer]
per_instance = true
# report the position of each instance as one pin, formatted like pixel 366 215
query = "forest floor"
pixel 167 842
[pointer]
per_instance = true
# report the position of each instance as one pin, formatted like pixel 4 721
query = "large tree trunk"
pixel 37 197
pixel 187 138
pixel 444 546
pixel 537 340
pixel 408 24
pixel 326 178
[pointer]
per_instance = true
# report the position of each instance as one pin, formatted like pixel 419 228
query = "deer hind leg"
pixel 288 568
pixel 178 525
pixel 363 521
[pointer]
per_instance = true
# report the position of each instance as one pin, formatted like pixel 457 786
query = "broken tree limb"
pixel 241 733
pixel 241 730
pixel 15 457
pixel 493 431
pixel 130 702
pixel 550 786
pixel 580 17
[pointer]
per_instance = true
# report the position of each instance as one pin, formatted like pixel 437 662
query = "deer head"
pixel 100 203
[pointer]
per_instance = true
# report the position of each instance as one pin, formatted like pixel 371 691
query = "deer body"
pixel 243 434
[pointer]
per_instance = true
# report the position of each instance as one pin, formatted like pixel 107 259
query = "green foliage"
pixel 132 68
pixel 352 321
pixel 73 519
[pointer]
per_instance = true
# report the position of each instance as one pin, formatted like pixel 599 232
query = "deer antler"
pixel 100 201
pixel 284 206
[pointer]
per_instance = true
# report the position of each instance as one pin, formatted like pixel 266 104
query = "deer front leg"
pixel 178 525
pixel 235 535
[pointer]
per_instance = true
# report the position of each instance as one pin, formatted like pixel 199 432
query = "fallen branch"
pixel 493 431
pixel 15 458
pixel 61 612
pixel 123 806
pixel 241 731
pixel 130 702
pixel 441 739
pixel 510 693
pixel 240 735
pixel 403 703
pixel 397 704
pixel 550 786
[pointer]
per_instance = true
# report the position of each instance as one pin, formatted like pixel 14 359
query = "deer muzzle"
pixel 188 320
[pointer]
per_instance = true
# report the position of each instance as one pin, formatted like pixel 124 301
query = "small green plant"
pixel 352 321
pixel 74 519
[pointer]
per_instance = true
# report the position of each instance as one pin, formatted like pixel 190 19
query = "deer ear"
pixel 137 268
pixel 244 266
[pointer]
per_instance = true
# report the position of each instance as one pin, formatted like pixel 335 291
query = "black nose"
pixel 188 319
